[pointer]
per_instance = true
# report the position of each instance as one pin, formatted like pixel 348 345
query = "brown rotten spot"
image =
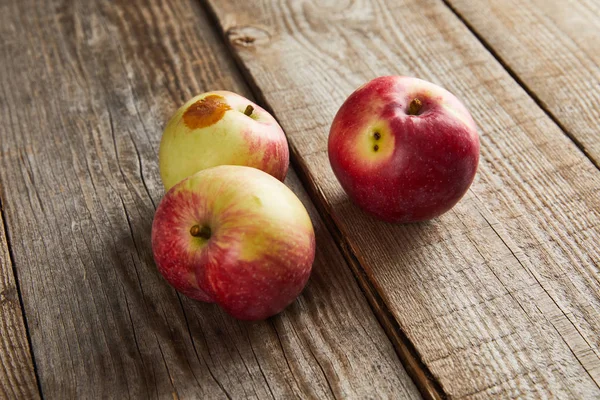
pixel 205 112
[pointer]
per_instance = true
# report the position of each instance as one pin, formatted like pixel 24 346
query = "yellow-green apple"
pixel 221 128
pixel 403 149
pixel 235 236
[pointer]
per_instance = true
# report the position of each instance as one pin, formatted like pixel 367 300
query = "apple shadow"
pixel 193 338
pixel 370 235
pixel 154 325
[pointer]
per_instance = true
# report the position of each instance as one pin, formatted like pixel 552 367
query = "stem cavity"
pixel 202 232
pixel 414 107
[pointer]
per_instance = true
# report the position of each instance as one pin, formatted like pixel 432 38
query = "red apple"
pixel 235 236
pixel 221 128
pixel 403 149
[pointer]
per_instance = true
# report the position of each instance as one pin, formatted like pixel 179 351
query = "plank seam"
pixel 425 381
pixel 427 384
pixel 521 83
pixel 20 296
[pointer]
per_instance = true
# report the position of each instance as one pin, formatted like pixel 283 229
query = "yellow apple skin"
pixel 213 129
pixel 258 246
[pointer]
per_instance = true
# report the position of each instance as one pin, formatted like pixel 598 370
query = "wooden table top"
pixel 500 297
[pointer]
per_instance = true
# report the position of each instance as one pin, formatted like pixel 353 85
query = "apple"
pixel 235 236
pixel 403 149
pixel 221 128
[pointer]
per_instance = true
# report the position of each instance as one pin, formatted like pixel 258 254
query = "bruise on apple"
pixel 205 112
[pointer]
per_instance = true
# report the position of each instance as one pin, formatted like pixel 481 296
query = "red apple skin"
pixel 261 247
pixel 400 167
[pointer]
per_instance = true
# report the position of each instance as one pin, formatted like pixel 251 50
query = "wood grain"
pixel 86 90
pixel 552 47
pixel 500 296
pixel 17 378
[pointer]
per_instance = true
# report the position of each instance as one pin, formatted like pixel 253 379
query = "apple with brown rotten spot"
pixel 221 128
pixel 403 149
pixel 235 236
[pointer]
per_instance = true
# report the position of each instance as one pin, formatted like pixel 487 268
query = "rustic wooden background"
pixel 499 297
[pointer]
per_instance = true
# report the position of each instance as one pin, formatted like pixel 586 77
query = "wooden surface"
pixel 498 298
pixel 17 378
pixel 553 47
pixel 86 89
pixel 501 296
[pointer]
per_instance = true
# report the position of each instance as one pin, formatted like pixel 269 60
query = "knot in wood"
pixel 9 296
pixel 248 36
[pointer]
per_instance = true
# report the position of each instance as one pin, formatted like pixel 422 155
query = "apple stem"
pixel 201 232
pixel 414 106
pixel 249 110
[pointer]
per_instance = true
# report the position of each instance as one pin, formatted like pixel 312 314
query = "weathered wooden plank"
pixel 501 296
pixel 552 46
pixel 17 378
pixel 86 90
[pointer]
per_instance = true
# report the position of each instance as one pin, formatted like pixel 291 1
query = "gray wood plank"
pixel 86 90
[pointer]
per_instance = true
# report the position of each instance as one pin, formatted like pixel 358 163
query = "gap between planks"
pixel 522 83
pixel 21 317
pixel 429 387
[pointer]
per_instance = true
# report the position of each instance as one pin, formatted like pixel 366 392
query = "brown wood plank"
pixel 553 47
pixel 17 378
pixel 86 90
pixel 501 296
